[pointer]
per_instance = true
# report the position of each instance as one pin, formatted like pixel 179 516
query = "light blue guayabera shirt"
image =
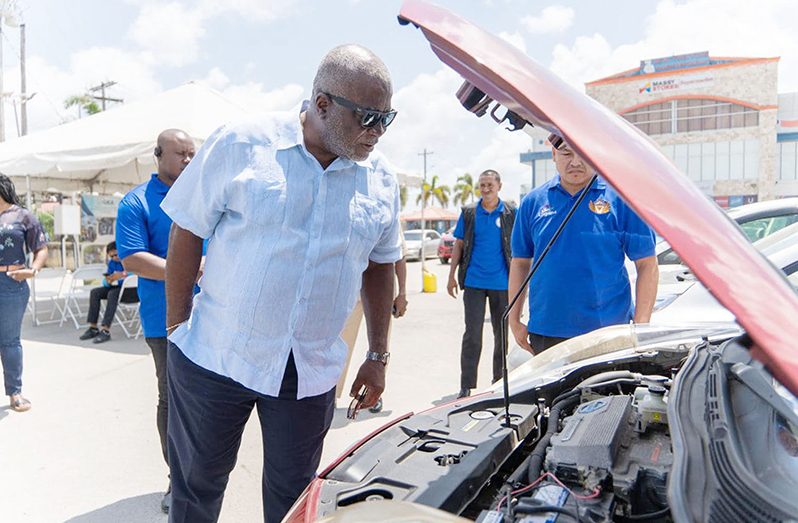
pixel 288 244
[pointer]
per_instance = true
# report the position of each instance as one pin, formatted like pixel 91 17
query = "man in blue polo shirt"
pixel 482 255
pixel 142 238
pixel 582 284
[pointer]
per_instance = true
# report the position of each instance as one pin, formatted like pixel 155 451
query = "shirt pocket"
pixel 366 214
pixel 262 201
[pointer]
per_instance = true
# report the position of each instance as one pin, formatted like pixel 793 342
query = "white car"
pixel 687 301
pixel 757 221
pixel 413 243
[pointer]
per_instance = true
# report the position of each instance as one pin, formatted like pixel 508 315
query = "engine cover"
pixel 590 438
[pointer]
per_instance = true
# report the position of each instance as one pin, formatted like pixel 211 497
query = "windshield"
pixel 774 457
pixel 413 236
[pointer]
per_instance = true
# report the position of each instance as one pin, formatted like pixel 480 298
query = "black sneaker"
pixel 90 333
pixel 166 502
pixel 102 337
pixel 464 393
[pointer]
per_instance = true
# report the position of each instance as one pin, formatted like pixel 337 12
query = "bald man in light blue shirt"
pixel 300 215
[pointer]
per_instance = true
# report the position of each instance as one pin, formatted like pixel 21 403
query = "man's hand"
pixel 399 305
pixel 115 276
pixel 372 376
pixel 451 286
pixel 521 335
pixel 21 274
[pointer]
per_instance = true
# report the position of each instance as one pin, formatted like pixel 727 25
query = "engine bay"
pixel 605 456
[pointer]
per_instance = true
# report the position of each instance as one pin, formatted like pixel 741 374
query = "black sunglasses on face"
pixel 368 117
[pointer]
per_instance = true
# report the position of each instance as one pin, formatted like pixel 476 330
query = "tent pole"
pixel 29 205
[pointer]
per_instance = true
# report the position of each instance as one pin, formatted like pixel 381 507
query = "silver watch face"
pixel 377 356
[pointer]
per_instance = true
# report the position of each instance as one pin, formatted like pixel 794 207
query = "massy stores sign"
pixel 676 83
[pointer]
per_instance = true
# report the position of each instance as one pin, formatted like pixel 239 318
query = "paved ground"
pixel 88 450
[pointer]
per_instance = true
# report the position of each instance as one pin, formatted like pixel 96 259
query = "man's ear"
pixel 322 105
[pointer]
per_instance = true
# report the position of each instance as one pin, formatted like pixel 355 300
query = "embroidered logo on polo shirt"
pixel 546 210
pixel 600 206
pixel 499 222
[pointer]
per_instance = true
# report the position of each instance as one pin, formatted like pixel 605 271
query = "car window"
pixel 431 235
pixel 759 228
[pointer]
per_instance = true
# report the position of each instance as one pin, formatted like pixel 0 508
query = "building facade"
pixel 720 120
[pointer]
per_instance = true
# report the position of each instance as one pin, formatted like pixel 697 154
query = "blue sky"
pixel 263 54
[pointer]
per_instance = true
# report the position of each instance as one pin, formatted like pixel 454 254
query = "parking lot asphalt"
pixel 88 451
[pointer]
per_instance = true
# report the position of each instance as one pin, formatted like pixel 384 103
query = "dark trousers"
pixel 111 295
pixel 13 300
pixel 540 342
pixel 207 416
pixel 158 347
pixel 474 304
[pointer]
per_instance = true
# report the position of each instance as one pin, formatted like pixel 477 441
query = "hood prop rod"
pixel 544 252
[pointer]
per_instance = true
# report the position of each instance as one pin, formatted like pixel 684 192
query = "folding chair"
pixel 127 314
pixel 49 287
pixel 79 291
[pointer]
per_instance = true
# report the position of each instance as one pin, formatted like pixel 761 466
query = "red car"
pixel 446 246
pixel 628 423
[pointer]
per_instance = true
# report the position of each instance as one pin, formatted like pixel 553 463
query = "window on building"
pixel 722 159
pixel 736 159
pixel 751 161
pixel 692 115
pixel 788 157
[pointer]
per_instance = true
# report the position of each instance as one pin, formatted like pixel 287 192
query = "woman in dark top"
pixel 20 233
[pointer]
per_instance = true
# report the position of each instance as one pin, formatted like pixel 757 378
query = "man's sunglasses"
pixel 368 117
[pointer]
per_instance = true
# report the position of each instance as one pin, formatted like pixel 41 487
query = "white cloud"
pixel 259 10
pixel 252 94
pixel 553 19
pixel 170 32
pixel 722 27
pixel 460 142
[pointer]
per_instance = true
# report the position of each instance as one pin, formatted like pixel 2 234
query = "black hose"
pixel 651 515
pixel 538 454
pixel 610 375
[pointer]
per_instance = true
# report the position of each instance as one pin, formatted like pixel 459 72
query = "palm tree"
pixel 85 103
pixel 464 190
pixel 432 190
pixel 403 196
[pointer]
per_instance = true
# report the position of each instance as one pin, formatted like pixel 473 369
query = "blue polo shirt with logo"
pixel 582 283
pixel 142 226
pixel 487 268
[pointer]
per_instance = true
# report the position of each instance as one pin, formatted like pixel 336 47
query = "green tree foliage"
pixel 432 190
pixel 465 191
pixel 84 102
pixel 403 196
pixel 48 223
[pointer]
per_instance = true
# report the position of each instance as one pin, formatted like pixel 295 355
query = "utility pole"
pixel 23 83
pixel 102 96
pixel 423 222
pixel 2 98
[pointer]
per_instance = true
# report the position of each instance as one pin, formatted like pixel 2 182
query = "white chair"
pixel 79 291
pixel 49 287
pixel 127 314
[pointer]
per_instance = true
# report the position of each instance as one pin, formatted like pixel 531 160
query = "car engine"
pixel 604 457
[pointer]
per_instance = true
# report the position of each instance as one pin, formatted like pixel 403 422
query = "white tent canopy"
pixel 112 150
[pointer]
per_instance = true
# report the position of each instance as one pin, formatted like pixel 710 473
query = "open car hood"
pixel 705 238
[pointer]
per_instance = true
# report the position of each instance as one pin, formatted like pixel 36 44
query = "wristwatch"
pixel 382 357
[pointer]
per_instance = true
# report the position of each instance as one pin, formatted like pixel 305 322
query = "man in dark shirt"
pixel 482 254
